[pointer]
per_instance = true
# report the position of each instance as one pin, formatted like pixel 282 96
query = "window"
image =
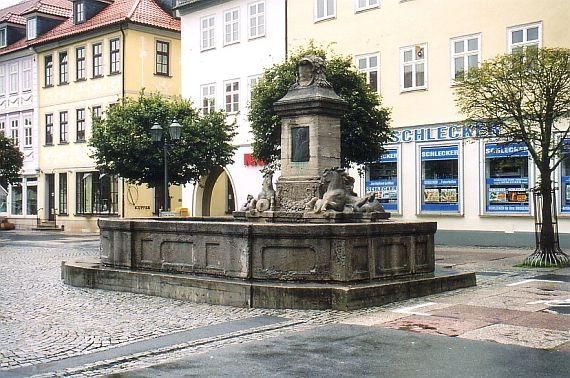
pixel 80 63
pixel 48 71
pixel 31 28
pixel 63 131
pixel 324 9
pixel 63 69
pixel 208 32
pixel 97 193
pixel 565 178
pixel 382 179
pixel 97 60
pixel 3 40
pixel 506 178
pixel 440 178
pixel 521 37
pixel 162 58
pixel 17 198
pixel 231 91
pixel 208 92
pixel 96 112
pixel 3 199
pixel 2 80
pixel 257 19
pixel 79 12
pixel 28 131
pixel 251 83
pixel 368 65
pixel 231 26
pixel 27 75
pixel 413 70
pixel 15 132
pixel 49 129
pixel 2 127
pixel 115 58
pixel 63 193
pixel 14 78
pixel 465 54
pixel 31 197
pixel 366 4
pixel 80 125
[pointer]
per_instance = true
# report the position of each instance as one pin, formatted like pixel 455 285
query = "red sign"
pixel 250 161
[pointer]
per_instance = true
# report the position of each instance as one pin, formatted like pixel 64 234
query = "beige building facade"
pixel 410 52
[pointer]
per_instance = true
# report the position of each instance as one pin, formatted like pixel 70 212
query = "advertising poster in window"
pixel 382 179
pixel 506 178
pixel 440 178
pixel 565 179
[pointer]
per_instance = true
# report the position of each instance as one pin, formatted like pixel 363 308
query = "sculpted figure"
pixel 266 198
pixel 339 195
pixel 249 203
pixel 311 71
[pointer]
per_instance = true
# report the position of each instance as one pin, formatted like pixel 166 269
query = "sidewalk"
pixel 510 305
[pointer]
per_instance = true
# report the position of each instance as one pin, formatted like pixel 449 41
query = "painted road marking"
pixel 532 280
pixel 410 310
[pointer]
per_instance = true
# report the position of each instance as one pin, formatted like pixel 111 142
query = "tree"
pixel 364 127
pixel 525 96
pixel 11 161
pixel 123 145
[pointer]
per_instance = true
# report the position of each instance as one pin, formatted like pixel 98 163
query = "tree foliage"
pixel 11 161
pixel 122 143
pixel 364 127
pixel 524 96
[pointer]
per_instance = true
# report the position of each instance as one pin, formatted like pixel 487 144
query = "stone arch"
pixel 215 195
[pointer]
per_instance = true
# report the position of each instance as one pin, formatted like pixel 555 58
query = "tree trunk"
pixel 547 237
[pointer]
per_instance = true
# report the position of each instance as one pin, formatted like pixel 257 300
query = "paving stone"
pixel 486 314
pixel 435 325
pixel 509 302
pixel 374 319
pixel 524 336
pixel 542 320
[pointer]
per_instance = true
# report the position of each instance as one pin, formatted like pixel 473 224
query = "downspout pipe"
pixel 123 53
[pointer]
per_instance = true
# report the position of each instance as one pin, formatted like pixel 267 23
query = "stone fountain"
pixel 311 243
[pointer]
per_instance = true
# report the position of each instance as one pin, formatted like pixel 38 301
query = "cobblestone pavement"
pixel 43 320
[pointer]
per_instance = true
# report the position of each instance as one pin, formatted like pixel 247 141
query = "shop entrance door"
pixel 50 184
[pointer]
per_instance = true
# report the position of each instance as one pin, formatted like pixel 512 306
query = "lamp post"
pixel 158 134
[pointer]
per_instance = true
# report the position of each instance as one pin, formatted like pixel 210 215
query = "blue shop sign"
pixel 435 133
pixel 447 207
pixel 439 153
pixel 566 146
pixel 506 181
pixel 502 150
pixel 391 156
pixel 441 182
pixel 523 208
pixel 380 183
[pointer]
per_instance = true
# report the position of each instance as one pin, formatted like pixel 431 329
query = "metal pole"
pixel 166 207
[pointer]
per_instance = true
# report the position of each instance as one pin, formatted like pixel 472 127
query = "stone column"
pixel 310 134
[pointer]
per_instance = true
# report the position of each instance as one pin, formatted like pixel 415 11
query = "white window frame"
pixel 15 131
pixel 234 26
pixel 327 13
pixel 31 28
pixel 234 105
pixel 465 54
pixel 414 62
pixel 251 82
pixel 370 4
pixel 366 71
pixel 211 95
pixel 2 80
pixel 255 17
pixel 27 75
pixel 524 28
pixel 3 37
pixel 210 30
pixel 13 78
pixel 28 131
pixel 3 126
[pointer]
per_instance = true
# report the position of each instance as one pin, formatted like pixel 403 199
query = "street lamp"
pixel 158 135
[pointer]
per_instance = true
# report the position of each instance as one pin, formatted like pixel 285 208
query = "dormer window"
pixel 79 12
pixel 3 37
pixel 31 28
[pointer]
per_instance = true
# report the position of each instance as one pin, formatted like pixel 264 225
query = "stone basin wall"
pixel 268 251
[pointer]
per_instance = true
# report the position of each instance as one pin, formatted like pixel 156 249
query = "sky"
pixel 7 3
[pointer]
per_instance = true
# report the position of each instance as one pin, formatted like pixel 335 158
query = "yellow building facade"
pixel 410 52
pixel 80 77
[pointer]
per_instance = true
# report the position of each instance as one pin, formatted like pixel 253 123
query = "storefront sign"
pixel 436 133
pixel 440 153
pixel 250 161
pixel 440 194
pixel 498 150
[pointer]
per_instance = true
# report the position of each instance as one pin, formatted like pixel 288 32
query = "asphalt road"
pixel 356 351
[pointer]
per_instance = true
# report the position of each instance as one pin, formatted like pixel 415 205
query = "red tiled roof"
pixel 145 12
pixel 61 8
pixel 13 13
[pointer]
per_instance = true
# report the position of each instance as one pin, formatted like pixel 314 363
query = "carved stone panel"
pixel 294 195
pixel 177 255
pixel 289 260
pixel 392 256
pixel 300 144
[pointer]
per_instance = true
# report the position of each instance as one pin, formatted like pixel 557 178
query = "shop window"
pixel 17 198
pixel 382 178
pixel 440 178
pixel 3 198
pixel 506 178
pixel 31 197
pixel 565 178
pixel 97 194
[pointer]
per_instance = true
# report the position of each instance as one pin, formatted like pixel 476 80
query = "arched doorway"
pixel 217 195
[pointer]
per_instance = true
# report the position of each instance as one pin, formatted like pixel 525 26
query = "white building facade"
pixel 18 121
pixel 226 45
